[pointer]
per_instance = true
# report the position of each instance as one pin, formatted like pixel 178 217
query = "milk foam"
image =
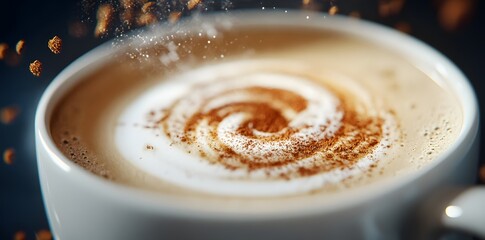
pixel 152 134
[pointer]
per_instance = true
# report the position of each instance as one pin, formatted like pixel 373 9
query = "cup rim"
pixel 423 56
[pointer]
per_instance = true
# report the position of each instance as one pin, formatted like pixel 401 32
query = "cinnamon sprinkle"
pixel 20 235
pixel 452 14
pixel 127 15
pixel 146 19
pixel 36 68
pixel 333 10
pixel 104 17
pixel 174 17
pixel 355 14
pixel 389 8
pixel 191 4
pixel 9 114
pixel 9 156
pixel 43 235
pixel 3 50
pixel 357 137
pixel 481 174
pixel 77 29
pixel 148 7
pixel 403 27
pixel 19 48
pixel 306 2
pixel 55 44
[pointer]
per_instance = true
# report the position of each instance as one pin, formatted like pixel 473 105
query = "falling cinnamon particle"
pixel 311 5
pixel 174 17
pixel 36 68
pixel 355 14
pixel 77 29
pixel 20 235
pixel 43 235
pixel 454 13
pixel 3 50
pixel 481 174
pixel 403 27
pixel 9 156
pixel 20 46
pixel 12 58
pixel 9 114
pixel 148 7
pixel 149 147
pixel 146 19
pixel 191 4
pixel 104 17
pixel 127 12
pixel 127 17
pixel 389 8
pixel 55 44
pixel 126 4
pixel 333 10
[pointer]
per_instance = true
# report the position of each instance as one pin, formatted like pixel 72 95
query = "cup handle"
pixel 451 210
pixel 466 212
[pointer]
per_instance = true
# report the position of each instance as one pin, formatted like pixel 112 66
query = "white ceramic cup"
pixel 81 205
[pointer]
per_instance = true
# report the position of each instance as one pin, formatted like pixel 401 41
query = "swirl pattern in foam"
pixel 255 129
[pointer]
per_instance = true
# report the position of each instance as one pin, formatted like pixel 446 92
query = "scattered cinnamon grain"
pixel 149 147
pixel 147 19
pixel 127 15
pixel 355 14
pixel 9 156
pixel 3 50
pixel 360 133
pixel 389 8
pixel 12 59
pixel 311 5
pixel 481 174
pixel 20 235
pixel 403 27
pixel 20 46
pixel 191 4
pixel 104 18
pixel 55 45
pixel 77 29
pixel 43 235
pixel 333 10
pixel 148 7
pixel 9 114
pixel 454 13
pixel 126 4
pixel 174 17
pixel 36 68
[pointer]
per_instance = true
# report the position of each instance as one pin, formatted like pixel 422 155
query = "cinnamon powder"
pixel 357 137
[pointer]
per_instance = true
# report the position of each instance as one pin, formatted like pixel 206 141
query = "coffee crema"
pixel 255 112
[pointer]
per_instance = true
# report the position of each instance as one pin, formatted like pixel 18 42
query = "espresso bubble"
pixel 78 152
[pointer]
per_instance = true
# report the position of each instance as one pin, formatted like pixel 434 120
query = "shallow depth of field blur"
pixel 453 27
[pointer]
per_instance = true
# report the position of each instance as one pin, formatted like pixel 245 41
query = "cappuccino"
pixel 254 113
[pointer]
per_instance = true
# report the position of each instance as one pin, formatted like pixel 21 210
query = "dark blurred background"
pixel 453 27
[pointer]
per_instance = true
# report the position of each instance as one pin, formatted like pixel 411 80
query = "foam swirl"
pixel 261 130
